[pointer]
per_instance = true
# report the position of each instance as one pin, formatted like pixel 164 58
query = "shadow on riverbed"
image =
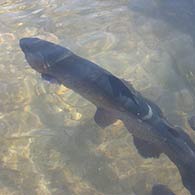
pixel 178 14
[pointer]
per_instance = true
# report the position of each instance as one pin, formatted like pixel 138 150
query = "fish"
pixel 115 99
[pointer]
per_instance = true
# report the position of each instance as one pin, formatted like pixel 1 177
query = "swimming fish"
pixel 115 99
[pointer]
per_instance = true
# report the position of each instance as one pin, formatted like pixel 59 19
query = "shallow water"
pixel 50 143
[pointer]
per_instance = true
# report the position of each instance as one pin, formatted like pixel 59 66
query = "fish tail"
pixel 176 147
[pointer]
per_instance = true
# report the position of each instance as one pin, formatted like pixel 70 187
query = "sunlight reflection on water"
pixel 50 143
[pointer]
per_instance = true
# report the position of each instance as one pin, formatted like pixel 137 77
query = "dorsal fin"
pixel 120 89
pixel 131 101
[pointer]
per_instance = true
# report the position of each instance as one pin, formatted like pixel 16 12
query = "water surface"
pixel 50 143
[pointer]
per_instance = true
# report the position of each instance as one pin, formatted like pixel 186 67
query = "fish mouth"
pixel 32 50
pixel 26 43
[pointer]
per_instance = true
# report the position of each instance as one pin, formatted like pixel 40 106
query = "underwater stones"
pixel 184 100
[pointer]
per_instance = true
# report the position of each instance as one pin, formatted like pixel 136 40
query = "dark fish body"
pixel 191 122
pixel 115 99
pixel 161 190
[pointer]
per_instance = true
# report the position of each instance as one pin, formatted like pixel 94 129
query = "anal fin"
pixel 104 118
pixel 146 149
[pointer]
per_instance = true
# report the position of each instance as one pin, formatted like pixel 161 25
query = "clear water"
pixel 50 144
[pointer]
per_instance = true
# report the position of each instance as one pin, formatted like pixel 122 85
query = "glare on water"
pixel 50 143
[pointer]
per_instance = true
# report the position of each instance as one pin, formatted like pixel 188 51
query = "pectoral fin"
pixel 104 118
pixel 146 149
pixel 49 78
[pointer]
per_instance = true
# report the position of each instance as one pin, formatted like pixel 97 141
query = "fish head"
pixel 42 55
